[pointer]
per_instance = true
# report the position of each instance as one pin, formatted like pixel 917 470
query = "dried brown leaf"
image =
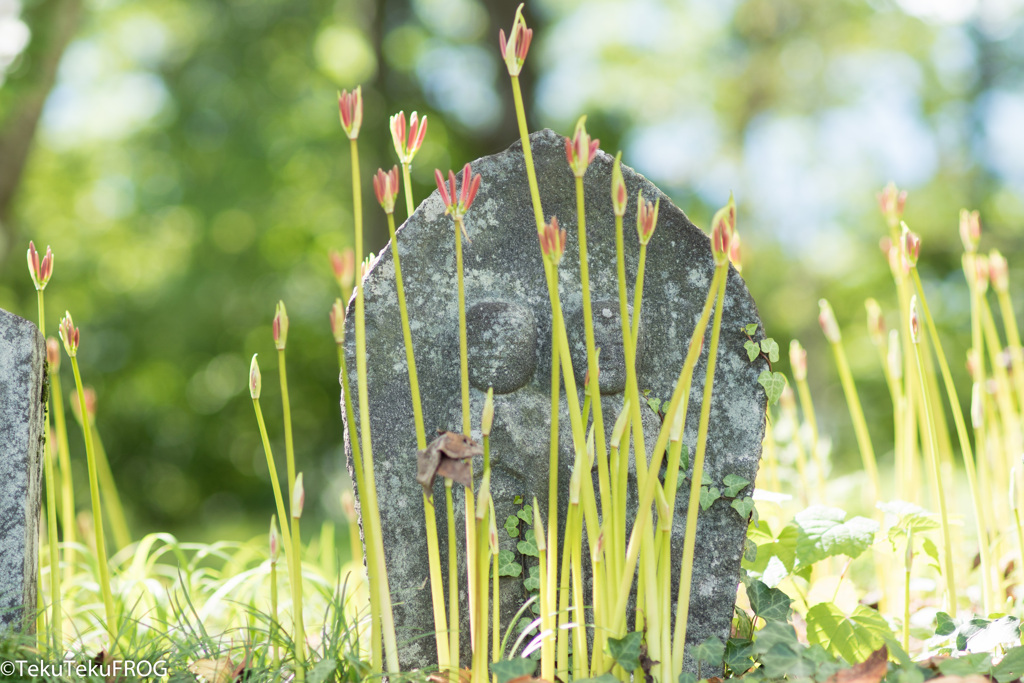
pixel 871 670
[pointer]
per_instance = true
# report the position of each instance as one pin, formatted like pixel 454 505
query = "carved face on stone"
pixel 509 348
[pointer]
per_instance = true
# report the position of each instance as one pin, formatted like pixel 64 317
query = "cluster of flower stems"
pixel 566 613
pixel 914 363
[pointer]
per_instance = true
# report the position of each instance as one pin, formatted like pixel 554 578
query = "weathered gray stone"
pixel 510 347
pixel 22 357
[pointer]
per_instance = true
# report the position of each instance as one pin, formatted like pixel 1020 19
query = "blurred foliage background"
pixel 185 162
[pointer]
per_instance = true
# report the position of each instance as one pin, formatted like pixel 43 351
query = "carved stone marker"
pixel 509 332
pixel 22 356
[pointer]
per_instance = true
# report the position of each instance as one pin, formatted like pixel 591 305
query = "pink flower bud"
pixel 788 398
pixel 298 497
pixel 580 149
pixel 275 541
pixel 344 267
pixel 891 201
pixel 798 360
pixel 999 271
pixel 385 186
pixel 406 147
pixel 458 203
pixel 255 381
pixel 337 316
pixel 970 230
pixel 364 268
pixel 69 335
pixel 618 187
pixel 827 320
pixel 514 50
pixel 972 364
pixel 723 227
pixel 911 245
pixel 39 270
pixel 350 105
pixel 876 323
pixel 646 218
pixel 280 326
pixel 89 394
pixel 53 354
pixel 552 241
pixel 980 267
pixel 915 321
pixel 735 256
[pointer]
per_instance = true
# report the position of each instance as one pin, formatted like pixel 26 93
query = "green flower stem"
pixel 295 574
pixel 895 387
pixel 680 398
pixel 860 426
pixel 433 555
pixel 947 543
pixel 592 359
pixel 111 498
pixel 524 136
pixel 548 650
pixel 368 531
pixel 51 513
pixel 789 408
pixel 693 508
pixel 574 540
pixel 466 426
pixel 1004 397
pixel 638 293
pixel 664 581
pixel 562 654
pixel 276 656
pixel 377 569
pixel 453 582
pixel 97 515
pixel 481 523
pixel 1015 509
pixel 961 431
pixel 803 391
pixel 407 182
pixel 286 536
pixel 906 592
pixel 1013 342
pixel 60 426
pixel 911 407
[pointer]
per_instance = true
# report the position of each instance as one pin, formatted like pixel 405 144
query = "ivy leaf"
pixel 710 651
pixel 512 526
pixel 744 506
pixel 528 546
pixel 771 604
pixel 708 496
pixel 742 625
pixel 507 565
pixel 626 650
pixel 526 514
pixel 733 484
pixel 979 663
pixel 825 532
pixel 773 383
pixel 737 656
pixel 1011 667
pixel 654 404
pixel 854 637
pixel 686 677
pixel 532 582
pixel 944 624
pixel 684 458
pixel 513 668
pixel 753 350
pixel 770 347
pixel 751 328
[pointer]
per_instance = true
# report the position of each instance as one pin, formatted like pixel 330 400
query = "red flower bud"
pixel 915 321
pixel 344 267
pixel 39 270
pixel 514 50
pixel 723 226
pixel 798 360
pixel 350 105
pixel 891 201
pixel 69 335
pixel 970 230
pixel 280 326
pixel 406 147
pixel 337 316
pixel 827 320
pixel 552 241
pixel 876 322
pixel 385 186
pixel 646 218
pixel 618 187
pixel 53 354
pixel 255 380
pixel 999 271
pixel 580 149
pixel 911 248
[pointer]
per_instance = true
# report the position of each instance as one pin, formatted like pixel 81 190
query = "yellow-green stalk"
pixel 547 648
pixel 351 109
pixel 41 271
pixel 111 498
pixel 275 653
pixel 788 404
pixel 69 334
pixel 297 501
pixel 721 233
pixel 64 457
pixel 495 584
pixel 646 221
pixel 386 187
pixel 1000 274
pixel 798 365
pixel 947 544
pixel 255 387
pixel 911 246
pixel 830 327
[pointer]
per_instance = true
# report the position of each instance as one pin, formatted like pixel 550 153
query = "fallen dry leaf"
pixel 871 670
pixel 221 670
pixel 449 456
